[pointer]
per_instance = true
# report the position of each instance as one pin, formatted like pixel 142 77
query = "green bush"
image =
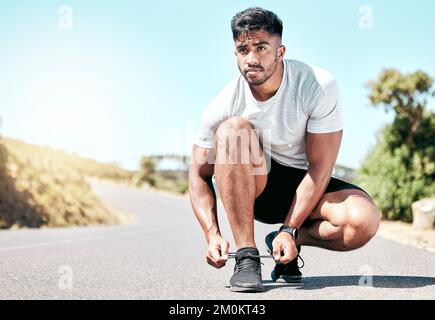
pixel 182 186
pixel 394 174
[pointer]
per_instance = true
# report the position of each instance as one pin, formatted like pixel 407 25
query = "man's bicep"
pixel 322 149
pixel 326 113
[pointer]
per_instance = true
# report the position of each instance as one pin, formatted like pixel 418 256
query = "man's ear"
pixel 281 52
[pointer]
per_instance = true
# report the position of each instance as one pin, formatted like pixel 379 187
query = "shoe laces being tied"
pixel 303 262
pixel 239 256
pixel 295 263
pixel 245 260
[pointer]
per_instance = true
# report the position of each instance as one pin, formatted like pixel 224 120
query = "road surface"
pixel 161 256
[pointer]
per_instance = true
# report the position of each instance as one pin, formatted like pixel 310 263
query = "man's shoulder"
pixel 230 89
pixel 309 73
pixel 235 84
pixel 224 100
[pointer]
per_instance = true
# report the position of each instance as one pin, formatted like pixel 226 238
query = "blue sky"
pixel 131 78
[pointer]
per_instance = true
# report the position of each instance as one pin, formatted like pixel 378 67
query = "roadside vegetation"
pixel 400 168
pixel 45 187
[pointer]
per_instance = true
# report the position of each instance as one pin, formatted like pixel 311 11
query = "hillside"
pixel 41 186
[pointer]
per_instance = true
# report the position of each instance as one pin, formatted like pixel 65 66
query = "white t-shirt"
pixel 307 100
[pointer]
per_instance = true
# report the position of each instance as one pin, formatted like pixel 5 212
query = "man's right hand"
pixel 217 252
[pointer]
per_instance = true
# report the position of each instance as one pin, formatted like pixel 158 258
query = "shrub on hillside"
pixel 396 177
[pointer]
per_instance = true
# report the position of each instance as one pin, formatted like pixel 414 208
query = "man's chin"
pixel 255 81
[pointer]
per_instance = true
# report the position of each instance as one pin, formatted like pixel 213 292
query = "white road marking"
pixel 36 245
pixel 67 241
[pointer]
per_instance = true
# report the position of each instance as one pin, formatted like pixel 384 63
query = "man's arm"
pixel 322 151
pixel 203 201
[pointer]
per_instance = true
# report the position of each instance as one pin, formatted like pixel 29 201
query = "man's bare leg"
pixel 236 181
pixel 343 220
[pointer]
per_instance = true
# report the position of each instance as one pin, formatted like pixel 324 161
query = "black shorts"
pixel 273 204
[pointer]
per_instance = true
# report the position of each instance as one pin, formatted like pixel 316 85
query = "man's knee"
pixel 232 125
pixel 361 225
pixel 233 139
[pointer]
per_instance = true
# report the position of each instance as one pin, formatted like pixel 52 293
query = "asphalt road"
pixel 161 256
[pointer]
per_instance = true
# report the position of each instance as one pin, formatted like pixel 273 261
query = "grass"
pixel 46 187
pixel 172 180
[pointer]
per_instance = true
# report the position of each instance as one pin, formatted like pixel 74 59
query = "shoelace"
pixel 243 261
pixel 303 262
pixel 233 255
pixel 297 261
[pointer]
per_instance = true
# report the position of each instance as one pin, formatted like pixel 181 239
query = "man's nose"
pixel 251 59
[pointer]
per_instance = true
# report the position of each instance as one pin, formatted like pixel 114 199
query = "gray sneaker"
pixel 247 271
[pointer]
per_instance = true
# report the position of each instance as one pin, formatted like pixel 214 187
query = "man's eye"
pixel 243 51
pixel 261 48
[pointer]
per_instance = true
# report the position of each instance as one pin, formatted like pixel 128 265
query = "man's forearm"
pixel 308 194
pixel 203 200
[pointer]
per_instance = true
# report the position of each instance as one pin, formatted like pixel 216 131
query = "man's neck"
pixel 270 87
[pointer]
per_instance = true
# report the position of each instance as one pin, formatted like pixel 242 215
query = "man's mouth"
pixel 253 70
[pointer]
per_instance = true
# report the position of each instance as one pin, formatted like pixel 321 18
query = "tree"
pixel 400 169
pixel 147 171
pixel 407 95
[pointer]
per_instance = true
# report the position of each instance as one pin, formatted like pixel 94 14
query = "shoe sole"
pixel 289 279
pixel 246 288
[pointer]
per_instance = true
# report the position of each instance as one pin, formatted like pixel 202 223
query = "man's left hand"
pixel 284 248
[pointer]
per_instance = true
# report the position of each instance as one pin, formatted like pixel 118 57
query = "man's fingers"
pixel 214 263
pixel 215 255
pixel 276 251
pixel 215 259
pixel 286 257
pixel 224 250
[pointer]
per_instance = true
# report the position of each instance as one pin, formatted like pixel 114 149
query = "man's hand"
pixel 284 248
pixel 217 252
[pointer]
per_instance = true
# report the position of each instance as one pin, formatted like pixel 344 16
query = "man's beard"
pixel 266 76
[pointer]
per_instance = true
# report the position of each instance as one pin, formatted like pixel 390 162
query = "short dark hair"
pixel 253 19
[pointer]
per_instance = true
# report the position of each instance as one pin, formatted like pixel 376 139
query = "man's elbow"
pixel 196 179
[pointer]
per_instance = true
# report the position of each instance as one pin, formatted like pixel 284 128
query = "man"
pixel 282 172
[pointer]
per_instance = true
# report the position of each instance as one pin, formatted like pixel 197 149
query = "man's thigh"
pixel 338 207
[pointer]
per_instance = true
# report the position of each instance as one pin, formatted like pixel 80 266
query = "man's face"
pixel 258 54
